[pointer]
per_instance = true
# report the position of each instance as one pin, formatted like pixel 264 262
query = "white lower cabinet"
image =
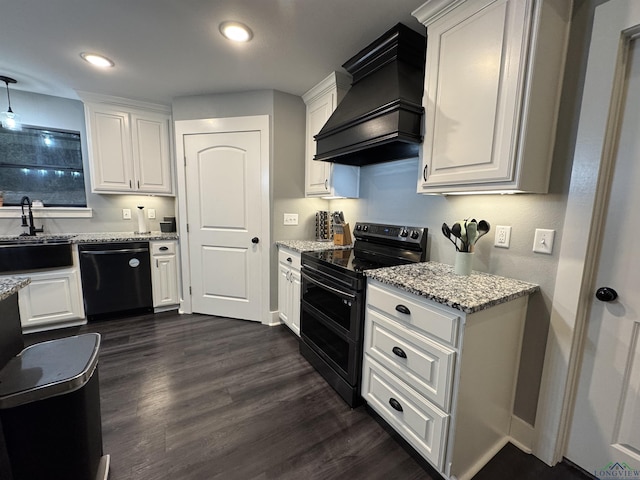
pixel 443 379
pixel 52 297
pixel 289 288
pixel 164 275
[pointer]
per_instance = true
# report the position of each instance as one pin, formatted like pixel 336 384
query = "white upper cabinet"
pixel 492 88
pixel 326 179
pixel 129 147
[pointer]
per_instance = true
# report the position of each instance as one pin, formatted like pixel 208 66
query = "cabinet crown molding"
pixel 335 79
pixel 123 102
pixel 432 10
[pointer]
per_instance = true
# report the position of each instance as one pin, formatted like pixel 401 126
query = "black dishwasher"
pixel 116 279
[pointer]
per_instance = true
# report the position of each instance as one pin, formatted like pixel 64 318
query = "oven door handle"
pixel 342 293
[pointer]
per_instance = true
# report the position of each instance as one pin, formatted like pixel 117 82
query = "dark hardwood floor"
pixel 193 397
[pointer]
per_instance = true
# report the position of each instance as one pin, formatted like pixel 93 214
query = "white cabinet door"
pixel 164 274
pixel 284 293
pixel 326 179
pixel 492 87
pixel 150 140
pixel 110 147
pixel 51 297
pixel 294 318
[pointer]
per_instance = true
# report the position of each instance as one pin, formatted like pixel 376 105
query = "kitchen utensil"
pixel 483 228
pixel 446 231
pixel 472 234
pixel 457 231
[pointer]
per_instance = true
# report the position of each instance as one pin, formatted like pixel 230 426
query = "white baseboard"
pixel 273 320
pixel 522 434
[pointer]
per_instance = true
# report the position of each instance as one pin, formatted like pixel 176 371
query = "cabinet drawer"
pixel 424 364
pixel 422 424
pixel 435 322
pixel 163 248
pixel 285 254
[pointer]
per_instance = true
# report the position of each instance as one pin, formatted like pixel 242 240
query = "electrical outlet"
pixel 151 213
pixel 503 236
pixel 291 219
pixel 126 214
pixel 543 241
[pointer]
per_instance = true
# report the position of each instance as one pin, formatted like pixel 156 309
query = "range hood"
pixel 379 119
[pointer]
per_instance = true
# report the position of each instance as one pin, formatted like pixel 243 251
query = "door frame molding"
pixel 615 26
pixel 217 125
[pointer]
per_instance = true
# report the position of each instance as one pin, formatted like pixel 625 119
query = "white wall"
pixel 62 113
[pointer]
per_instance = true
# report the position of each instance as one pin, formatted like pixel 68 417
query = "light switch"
pixel 543 241
pixel 291 219
pixel 151 213
pixel 126 213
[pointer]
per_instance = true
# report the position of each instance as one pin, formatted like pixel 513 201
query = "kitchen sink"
pixel 33 253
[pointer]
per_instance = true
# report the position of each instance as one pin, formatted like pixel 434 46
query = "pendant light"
pixel 10 120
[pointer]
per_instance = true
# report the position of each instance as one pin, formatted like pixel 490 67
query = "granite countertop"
pixel 437 282
pixel 310 245
pixel 10 285
pixel 93 237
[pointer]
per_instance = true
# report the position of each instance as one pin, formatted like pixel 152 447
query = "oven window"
pixel 331 344
pixel 333 306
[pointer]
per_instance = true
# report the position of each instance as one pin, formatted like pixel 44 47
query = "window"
pixel 44 164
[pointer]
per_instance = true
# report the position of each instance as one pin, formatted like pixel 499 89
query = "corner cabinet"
pixel 443 379
pixel 327 179
pixel 164 275
pixel 129 147
pixel 289 288
pixel 493 80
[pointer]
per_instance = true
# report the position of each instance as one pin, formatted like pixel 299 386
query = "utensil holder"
pixel 463 263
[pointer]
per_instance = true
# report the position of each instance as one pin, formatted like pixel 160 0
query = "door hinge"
pixel 185 160
pixel 190 292
pixel 187 228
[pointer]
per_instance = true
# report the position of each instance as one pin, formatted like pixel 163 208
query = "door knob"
pixel 255 240
pixel 606 294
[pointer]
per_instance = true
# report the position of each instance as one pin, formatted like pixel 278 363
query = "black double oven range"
pixel 333 299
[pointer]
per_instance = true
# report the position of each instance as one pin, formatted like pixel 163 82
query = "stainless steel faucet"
pixel 32 229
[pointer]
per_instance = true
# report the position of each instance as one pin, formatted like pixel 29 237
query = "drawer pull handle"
pixel 395 404
pixel 289 259
pixel 399 352
pixel 164 249
pixel 403 309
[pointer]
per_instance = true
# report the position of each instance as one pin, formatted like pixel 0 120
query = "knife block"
pixel 341 234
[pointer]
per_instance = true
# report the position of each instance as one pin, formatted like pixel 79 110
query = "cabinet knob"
pixel 255 240
pixel 403 309
pixel 289 259
pixel 399 352
pixel 395 404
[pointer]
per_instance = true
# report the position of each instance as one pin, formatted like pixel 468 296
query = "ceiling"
pixel 164 49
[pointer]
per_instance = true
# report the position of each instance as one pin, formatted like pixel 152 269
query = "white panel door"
pixel 224 207
pixel 604 437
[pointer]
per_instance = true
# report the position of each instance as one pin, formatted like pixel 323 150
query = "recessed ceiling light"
pixel 97 60
pixel 236 31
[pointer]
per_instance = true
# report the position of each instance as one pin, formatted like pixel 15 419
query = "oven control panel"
pixel 364 231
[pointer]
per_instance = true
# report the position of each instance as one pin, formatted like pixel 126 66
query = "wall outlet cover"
pixel 151 213
pixel 503 236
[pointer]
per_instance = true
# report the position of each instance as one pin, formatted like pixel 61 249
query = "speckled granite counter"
pixel 437 282
pixel 310 245
pixel 10 285
pixel 94 237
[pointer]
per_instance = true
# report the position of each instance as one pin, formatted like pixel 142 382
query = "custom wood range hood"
pixel 379 119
